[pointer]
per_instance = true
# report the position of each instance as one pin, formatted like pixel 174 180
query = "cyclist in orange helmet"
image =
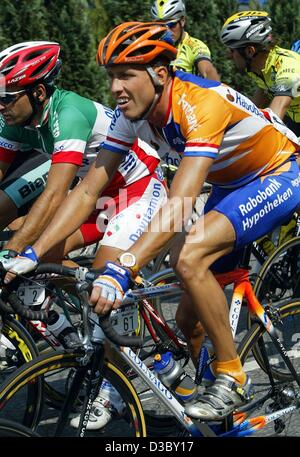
pixel 221 137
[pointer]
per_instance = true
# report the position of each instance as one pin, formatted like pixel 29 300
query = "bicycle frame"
pixel 242 288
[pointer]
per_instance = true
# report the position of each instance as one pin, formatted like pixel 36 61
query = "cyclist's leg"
pixel 232 222
pixel 192 328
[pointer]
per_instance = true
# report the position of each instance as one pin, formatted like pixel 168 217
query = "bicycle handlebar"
pixel 19 308
pixel 81 274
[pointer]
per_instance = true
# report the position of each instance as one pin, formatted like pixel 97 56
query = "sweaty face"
pixel 15 107
pixel 132 89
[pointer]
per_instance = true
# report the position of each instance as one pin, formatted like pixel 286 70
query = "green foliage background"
pixel 78 25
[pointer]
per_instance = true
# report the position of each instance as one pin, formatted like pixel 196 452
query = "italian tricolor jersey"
pixel 71 130
pixel 212 120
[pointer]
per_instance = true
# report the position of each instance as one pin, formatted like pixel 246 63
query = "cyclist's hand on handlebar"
pixel 24 262
pixel 109 288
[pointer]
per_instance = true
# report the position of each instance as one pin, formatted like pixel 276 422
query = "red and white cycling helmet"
pixel 26 64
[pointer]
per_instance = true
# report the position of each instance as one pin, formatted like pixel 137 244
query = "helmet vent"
pixel 9 65
pixel 41 68
pixel 35 54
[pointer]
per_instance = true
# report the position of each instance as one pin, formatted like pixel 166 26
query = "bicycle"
pixel 284 397
pixel 279 275
pixel 10 429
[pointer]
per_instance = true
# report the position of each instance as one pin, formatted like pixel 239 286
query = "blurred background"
pixel 78 25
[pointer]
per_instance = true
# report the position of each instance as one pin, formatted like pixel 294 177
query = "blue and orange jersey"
pixel 209 119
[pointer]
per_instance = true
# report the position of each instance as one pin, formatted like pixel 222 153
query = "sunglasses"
pixel 10 97
pixel 172 24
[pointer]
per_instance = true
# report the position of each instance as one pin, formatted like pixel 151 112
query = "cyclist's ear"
pixel 162 74
pixel 250 51
pixel 39 93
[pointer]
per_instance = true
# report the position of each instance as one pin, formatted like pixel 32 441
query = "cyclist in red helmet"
pixel 69 129
pixel 27 74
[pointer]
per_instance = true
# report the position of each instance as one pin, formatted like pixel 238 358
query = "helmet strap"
pixel 158 87
pixel 181 33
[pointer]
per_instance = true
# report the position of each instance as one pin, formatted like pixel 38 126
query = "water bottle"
pixel 62 329
pixel 173 376
pixel 204 373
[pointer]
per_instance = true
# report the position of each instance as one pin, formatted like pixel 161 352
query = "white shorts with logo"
pixel 120 219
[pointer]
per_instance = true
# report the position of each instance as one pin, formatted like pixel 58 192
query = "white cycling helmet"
pixel 166 10
pixel 246 27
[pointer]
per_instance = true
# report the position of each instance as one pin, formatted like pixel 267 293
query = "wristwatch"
pixel 128 260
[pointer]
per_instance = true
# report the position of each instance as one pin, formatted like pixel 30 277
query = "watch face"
pixel 127 259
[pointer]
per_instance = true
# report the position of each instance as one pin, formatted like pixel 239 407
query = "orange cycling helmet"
pixel 137 43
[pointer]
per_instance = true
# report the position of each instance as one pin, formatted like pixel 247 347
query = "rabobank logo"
pixel 189 111
pixel 246 104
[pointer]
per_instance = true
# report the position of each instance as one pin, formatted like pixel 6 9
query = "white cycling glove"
pixel 24 262
pixel 114 282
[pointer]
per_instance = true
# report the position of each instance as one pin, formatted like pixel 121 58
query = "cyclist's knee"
pixel 191 262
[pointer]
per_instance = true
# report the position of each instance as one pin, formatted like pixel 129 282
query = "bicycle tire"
pixel 288 311
pixel 25 351
pixel 11 429
pixel 279 273
pixel 49 364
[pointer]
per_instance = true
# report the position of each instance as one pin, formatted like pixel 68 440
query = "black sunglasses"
pixel 10 97
pixel 172 24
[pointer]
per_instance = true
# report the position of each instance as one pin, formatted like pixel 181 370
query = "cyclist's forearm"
pixel 72 213
pixel 279 105
pixel 37 220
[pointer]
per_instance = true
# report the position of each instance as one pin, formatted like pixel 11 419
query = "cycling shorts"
pixel 26 179
pixel 122 216
pixel 260 206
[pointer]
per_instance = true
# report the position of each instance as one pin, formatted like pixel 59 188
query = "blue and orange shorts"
pixel 261 205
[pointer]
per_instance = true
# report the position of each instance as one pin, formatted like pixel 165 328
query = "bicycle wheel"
pixel 21 349
pixel 286 320
pixel 285 391
pixel 57 368
pixel 279 276
pixel 13 429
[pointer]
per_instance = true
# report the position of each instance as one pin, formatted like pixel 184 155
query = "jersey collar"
pixel 46 113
